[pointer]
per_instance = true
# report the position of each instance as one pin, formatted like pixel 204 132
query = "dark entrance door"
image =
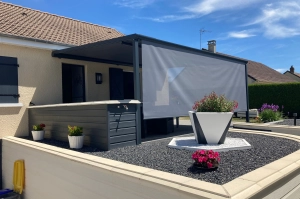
pixel 116 81
pixel 73 83
pixel 128 85
pixel 121 84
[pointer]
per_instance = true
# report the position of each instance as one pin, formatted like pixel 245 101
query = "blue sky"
pixel 266 31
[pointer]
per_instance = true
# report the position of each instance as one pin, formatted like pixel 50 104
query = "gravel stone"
pixel 289 122
pixel 156 155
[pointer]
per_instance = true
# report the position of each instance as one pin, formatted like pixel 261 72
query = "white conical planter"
pixel 76 142
pixel 210 127
pixel 38 135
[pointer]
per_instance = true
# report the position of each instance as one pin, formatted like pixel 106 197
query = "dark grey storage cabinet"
pixel 105 126
pixel 122 125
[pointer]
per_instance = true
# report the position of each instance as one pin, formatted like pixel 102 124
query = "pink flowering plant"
pixel 215 103
pixel 206 158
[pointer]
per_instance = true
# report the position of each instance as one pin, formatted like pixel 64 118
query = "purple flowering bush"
pixel 269 113
pixel 271 107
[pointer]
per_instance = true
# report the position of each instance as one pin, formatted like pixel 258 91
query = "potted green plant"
pixel 211 118
pixel 38 132
pixel 75 137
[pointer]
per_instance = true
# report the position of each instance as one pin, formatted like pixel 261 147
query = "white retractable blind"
pixel 174 78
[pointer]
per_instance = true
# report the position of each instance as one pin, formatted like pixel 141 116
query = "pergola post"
pixel 247 94
pixel 137 87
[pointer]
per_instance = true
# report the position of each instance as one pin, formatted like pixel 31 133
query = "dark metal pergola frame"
pixel 127 51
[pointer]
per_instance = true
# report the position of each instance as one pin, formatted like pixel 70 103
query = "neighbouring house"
pixel 61 71
pixel 292 74
pixel 258 72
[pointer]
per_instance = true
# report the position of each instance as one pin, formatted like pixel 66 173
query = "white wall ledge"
pixel 8 105
pixel 89 103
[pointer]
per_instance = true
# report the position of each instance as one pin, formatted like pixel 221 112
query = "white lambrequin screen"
pixel 174 78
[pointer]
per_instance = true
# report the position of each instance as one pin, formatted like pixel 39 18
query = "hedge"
pixel 286 94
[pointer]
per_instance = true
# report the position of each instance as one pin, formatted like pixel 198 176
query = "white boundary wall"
pixel 52 172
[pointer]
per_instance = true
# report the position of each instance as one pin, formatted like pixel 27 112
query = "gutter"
pixel 35 40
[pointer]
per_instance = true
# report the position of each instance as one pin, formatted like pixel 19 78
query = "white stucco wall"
pixel 40 82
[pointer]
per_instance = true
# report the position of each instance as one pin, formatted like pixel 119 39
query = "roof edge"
pixel 36 40
pixel 143 37
pixel 291 73
pixel 252 77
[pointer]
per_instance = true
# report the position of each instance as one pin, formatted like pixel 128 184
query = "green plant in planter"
pixel 39 127
pixel 215 103
pixel 75 130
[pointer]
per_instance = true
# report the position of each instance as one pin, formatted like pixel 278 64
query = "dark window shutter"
pixel 9 80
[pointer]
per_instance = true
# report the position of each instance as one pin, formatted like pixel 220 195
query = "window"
pixel 9 80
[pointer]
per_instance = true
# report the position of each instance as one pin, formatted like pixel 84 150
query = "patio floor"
pixel 184 129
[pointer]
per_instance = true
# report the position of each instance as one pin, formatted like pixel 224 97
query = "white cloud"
pixel 241 34
pixel 169 18
pixel 281 70
pixel 134 3
pixel 280 20
pixel 204 7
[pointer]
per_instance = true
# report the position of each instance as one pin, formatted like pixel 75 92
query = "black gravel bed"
pixel 156 155
pixel 289 122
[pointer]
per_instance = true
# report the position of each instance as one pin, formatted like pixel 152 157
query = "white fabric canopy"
pixel 174 78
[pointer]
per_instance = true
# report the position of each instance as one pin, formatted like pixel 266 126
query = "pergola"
pixel 128 51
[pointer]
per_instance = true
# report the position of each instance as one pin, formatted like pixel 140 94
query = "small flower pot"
pixel 76 142
pixel 38 135
pixel 199 166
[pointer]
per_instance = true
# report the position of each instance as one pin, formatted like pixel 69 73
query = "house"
pixel 27 38
pixel 260 73
pixel 291 73
pixel 73 72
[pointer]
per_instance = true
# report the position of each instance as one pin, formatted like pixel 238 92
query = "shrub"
pixel 39 127
pixel 286 94
pixel 269 113
pixel 214 103
pixel 75 130
pixel 269 116
pixel 206 159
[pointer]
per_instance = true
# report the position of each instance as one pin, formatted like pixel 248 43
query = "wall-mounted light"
pixel 98 78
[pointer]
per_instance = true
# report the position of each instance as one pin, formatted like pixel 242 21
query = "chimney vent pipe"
pixel 292 69
pixel 212 46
